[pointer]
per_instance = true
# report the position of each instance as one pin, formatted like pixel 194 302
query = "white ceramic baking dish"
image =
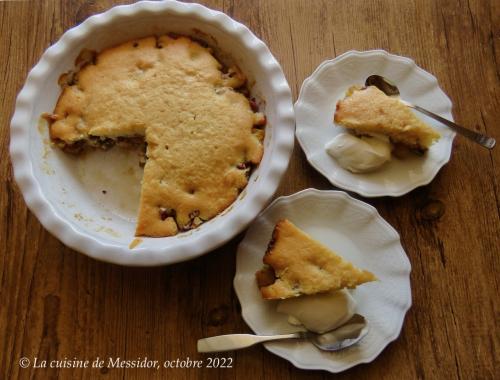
pixel 64 192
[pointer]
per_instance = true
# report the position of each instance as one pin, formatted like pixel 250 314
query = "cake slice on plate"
pixel 369 111
pixel 296 264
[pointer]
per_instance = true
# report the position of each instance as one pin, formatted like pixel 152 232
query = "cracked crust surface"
pixel 297 264
pixel 368 110
pixel 201 134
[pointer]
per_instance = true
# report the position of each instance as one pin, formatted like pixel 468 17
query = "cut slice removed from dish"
pixel 297 264
pixel 370 111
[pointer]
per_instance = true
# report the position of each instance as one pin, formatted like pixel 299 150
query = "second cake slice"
pixel 297 264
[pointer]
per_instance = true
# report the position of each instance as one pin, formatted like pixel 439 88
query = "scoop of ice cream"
pixel 319 312
pixel 359 154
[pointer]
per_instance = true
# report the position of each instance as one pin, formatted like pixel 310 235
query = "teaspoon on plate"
pixel 342 337
pixel 391 89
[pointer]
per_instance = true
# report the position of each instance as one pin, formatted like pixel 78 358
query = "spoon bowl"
pixel 383 84
pixel 342 337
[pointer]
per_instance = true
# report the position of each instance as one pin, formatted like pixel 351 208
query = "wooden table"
pixel 57 304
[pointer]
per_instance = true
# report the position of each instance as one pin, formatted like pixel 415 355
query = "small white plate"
pixel 315 107
pixel 355 230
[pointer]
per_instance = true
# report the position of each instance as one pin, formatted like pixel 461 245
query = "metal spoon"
pixel 391 89
pixel 342 337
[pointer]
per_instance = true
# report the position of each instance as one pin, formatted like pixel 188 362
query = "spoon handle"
pixel 236 341
pixel 487 142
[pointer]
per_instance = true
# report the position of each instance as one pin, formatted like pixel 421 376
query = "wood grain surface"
pixel 57 304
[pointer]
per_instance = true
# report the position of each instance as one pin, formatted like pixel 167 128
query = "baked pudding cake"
pixel 203 134
pixel 368 111
pixel 296 264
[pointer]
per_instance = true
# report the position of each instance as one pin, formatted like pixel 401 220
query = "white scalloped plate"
pixel 315 107
pixel 73 208
pixel 355 230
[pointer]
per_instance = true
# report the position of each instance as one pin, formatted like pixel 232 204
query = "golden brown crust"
pixel 369 110
pixel 200 132
pixel 302 265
